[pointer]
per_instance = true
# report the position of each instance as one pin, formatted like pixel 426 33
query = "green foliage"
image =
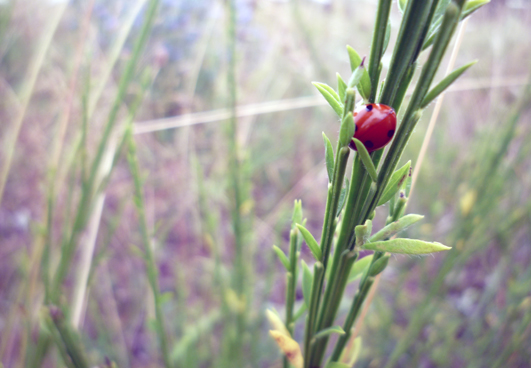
pixel 311 242
pixel 366 159
pixel 329 158
pixel 330 96
pixel 395 183
pixel 360 76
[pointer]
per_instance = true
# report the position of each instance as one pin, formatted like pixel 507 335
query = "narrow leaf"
pixel 387 37
pixel 359 268
pixel 310 240
pixel 366 159
pixel 402 5
pixel 300 312
pixel 347 130
pixel 406 246
pixel 378 266
pixel 329 331
pixel 364 86
pixel 283 259
pixel 351 353
pixel 289 347
pixel 395 227
pixel 342 197
pixel 355 77
pixel 276 322
pixel 337 365
pixel 341 87
pixel 445 83
pixel 439 12
pixel 329 157
pixel 471 6
pixel 296 218
pixel 330 90
pixel 307 280
pixel 395 182
pixel 336 105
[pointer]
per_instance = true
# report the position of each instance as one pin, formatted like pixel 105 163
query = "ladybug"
pixel 375 126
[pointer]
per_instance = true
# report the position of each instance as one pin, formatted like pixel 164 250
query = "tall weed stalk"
pixel 426 26
pixel 92 184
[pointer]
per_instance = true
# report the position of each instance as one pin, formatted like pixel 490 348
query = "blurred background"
pixel 469 307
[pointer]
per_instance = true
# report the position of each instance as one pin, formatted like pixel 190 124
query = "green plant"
pixel 426 25
pixel 93 175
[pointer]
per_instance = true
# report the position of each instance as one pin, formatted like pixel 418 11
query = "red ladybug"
pixel 375 126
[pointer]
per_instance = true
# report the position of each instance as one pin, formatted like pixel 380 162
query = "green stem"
pixel 378 39
pixel 151 266
pixel 412 26
pixel 318 273
pixel 412 115
pixel 291 280
pixel 405 55
pixel 85 205
pixel 66 340
pixel 334 190
pixel 365 286
pixel 240 274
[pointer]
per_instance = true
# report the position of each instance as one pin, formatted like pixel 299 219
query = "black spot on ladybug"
pixel 369 107
pixel 369 144
pixel 356 129
pixel 390 133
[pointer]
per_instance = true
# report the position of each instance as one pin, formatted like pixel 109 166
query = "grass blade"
pixel 366 159
pixel 445 83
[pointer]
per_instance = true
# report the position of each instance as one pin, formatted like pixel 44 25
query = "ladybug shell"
pixel 375 126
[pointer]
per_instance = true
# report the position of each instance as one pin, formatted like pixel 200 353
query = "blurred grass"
pixel 482 307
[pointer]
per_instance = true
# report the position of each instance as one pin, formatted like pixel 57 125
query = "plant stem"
pixel 378 39
pixel 412 115
pixel 417 18
pixel 239 276
pixel 365 286
pixel 85 205
pixel 291 280
pixel 151 266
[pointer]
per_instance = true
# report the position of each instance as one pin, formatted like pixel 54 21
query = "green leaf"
pixel 283 259
pixel 312 243
pixel 355 77
pixel 364 86
pixel 445 83
pixel 307 280
pixel 387 37
pixel 439 12
pixel 300 312
pixel 359 268
pixel 329 331
pixel 341 87
pixel 363 232
pixel 378 266
pixel 395 182
pixel 331 99
pixel 402 5
pixel 342 197
pixel 347 130
pixel 395 227
pixel 471 6
pixel 296 218
pixel 329 157
pixel 337 365
pixel 406 246
pixel 350 355
pixel 366 159
pixel 330 90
